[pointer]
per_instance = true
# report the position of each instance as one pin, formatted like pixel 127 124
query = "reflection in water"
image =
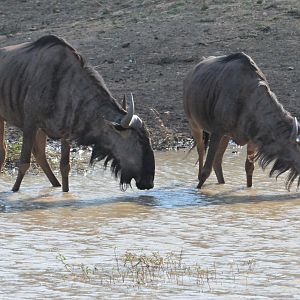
pixel 222 227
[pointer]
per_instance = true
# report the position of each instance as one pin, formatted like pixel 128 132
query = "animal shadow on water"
pixel 50 201
pixel 166 197
pixel 230 198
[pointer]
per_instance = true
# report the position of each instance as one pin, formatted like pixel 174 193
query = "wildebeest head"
pixel 128 148
pixel 287 159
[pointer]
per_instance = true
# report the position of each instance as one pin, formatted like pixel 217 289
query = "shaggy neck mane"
pixel 280 166
pixel 101 153
pixel 272 138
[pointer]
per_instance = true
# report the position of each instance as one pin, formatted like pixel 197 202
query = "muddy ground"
pixel 147 47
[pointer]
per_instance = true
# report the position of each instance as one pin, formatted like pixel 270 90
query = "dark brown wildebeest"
pixel 48 89
pixel 229 97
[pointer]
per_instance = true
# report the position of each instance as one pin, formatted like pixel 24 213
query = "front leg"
pixel 28 140
pixel 65 164
pixel 2 143
pixel 40 156
pixel 213 147
pixel 218 159
pixel 249 164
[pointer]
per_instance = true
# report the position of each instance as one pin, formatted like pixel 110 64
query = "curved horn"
pixel 295 129
pixel 125 122
pixel 124 105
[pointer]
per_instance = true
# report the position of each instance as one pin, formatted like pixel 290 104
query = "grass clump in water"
pixel 153 269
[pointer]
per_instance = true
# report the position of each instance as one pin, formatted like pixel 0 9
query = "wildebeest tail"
pixel 206 139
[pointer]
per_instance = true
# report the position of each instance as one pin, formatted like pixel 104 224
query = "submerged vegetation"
pixel 153 269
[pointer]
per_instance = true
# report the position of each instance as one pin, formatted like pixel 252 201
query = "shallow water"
pixel 247 240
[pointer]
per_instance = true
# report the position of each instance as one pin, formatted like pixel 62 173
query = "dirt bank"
pixel 147 47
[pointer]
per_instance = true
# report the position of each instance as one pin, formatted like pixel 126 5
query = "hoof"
pixel 65 190
pixel 56 185
pixel 199 186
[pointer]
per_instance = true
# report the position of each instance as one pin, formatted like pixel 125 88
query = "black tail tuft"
pixel 206 139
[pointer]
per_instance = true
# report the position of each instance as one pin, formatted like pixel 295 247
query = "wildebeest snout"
pixel 145 183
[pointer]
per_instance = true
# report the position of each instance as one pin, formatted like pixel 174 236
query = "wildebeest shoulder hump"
pixel 49 41
pixel 236 56
pixel 246 61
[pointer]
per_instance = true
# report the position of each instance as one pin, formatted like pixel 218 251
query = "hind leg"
pixel 217 165
pixel 214 142
pixel 198 136
pixel 2 143
pixel 40 156
pixel 249 164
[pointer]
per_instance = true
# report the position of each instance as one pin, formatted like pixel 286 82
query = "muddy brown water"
pixel 246 240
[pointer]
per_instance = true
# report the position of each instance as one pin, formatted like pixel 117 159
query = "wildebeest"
pixel 48 89
pixel 229 97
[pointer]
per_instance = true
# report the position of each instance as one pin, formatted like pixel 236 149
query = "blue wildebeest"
pixel 229 97
pixel 48 89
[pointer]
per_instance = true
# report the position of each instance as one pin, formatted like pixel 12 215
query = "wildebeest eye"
pixel 119 127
